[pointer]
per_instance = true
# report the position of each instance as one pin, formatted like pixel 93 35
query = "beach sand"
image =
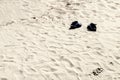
pixel 36 43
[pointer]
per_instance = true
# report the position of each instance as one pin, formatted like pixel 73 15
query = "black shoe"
pixel 92 27
pixel 75 25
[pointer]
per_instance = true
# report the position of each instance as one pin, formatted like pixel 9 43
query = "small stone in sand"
pixel 92 27
pixel 34 17
pixel 75 25
pixel 97 71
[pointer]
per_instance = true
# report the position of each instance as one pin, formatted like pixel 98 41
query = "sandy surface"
pixel 36 43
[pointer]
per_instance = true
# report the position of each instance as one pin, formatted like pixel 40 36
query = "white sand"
pixel 45 49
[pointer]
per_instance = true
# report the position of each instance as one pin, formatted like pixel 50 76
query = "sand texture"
pixel 36 43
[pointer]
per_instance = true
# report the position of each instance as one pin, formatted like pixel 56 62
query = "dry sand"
pixel 36 43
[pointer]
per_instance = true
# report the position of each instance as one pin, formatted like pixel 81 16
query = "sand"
pixel 36 43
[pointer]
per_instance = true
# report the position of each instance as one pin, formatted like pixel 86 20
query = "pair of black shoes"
pixel 90 27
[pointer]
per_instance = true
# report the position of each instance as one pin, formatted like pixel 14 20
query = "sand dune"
pixel 36 43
